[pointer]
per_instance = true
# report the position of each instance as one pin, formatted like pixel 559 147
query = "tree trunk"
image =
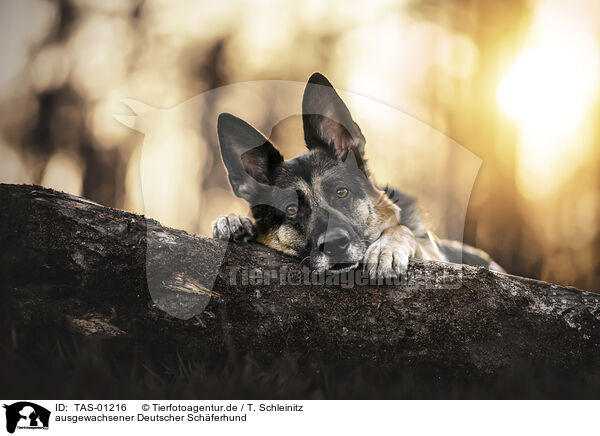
pixel 108 273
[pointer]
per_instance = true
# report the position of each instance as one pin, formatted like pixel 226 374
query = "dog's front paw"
pixel 233 228
pixel 389 255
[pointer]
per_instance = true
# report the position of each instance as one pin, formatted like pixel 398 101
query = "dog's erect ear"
pixel 327 120
pixel 249 156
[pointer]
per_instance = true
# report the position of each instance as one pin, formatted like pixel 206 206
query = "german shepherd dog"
pixel 322 206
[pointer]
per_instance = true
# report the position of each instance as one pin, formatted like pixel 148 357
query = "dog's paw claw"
pixel 400 262
pixel 233 228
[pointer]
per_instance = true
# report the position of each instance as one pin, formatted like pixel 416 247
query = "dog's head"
pixel 321 205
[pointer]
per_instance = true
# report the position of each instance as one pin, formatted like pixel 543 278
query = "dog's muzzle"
pixel 336 250
pixel 334 243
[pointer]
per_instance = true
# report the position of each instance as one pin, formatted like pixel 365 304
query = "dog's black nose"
pixel 334 242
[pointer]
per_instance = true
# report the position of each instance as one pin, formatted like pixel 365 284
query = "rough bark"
pixel 110 273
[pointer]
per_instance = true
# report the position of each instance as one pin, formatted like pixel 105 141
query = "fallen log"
pixel 106 273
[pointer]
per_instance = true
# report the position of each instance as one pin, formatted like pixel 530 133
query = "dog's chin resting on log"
pixel 68 263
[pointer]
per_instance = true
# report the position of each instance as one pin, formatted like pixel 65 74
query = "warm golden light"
pixel 418 76
pixel 549 86
pixel 548 92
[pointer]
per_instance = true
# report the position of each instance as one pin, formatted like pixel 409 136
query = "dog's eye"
pixel 342 192
pixel 292 210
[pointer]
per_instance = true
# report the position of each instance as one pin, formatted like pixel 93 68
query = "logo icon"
pixel 26 415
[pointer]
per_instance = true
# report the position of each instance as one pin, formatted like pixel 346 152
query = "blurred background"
pixel 514 82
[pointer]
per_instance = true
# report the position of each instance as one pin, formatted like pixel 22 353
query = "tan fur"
pixel 388 220
pixel 387 214
pixel 285 239
pixel 316 199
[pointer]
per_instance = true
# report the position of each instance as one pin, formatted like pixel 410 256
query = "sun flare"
pixel 548 92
